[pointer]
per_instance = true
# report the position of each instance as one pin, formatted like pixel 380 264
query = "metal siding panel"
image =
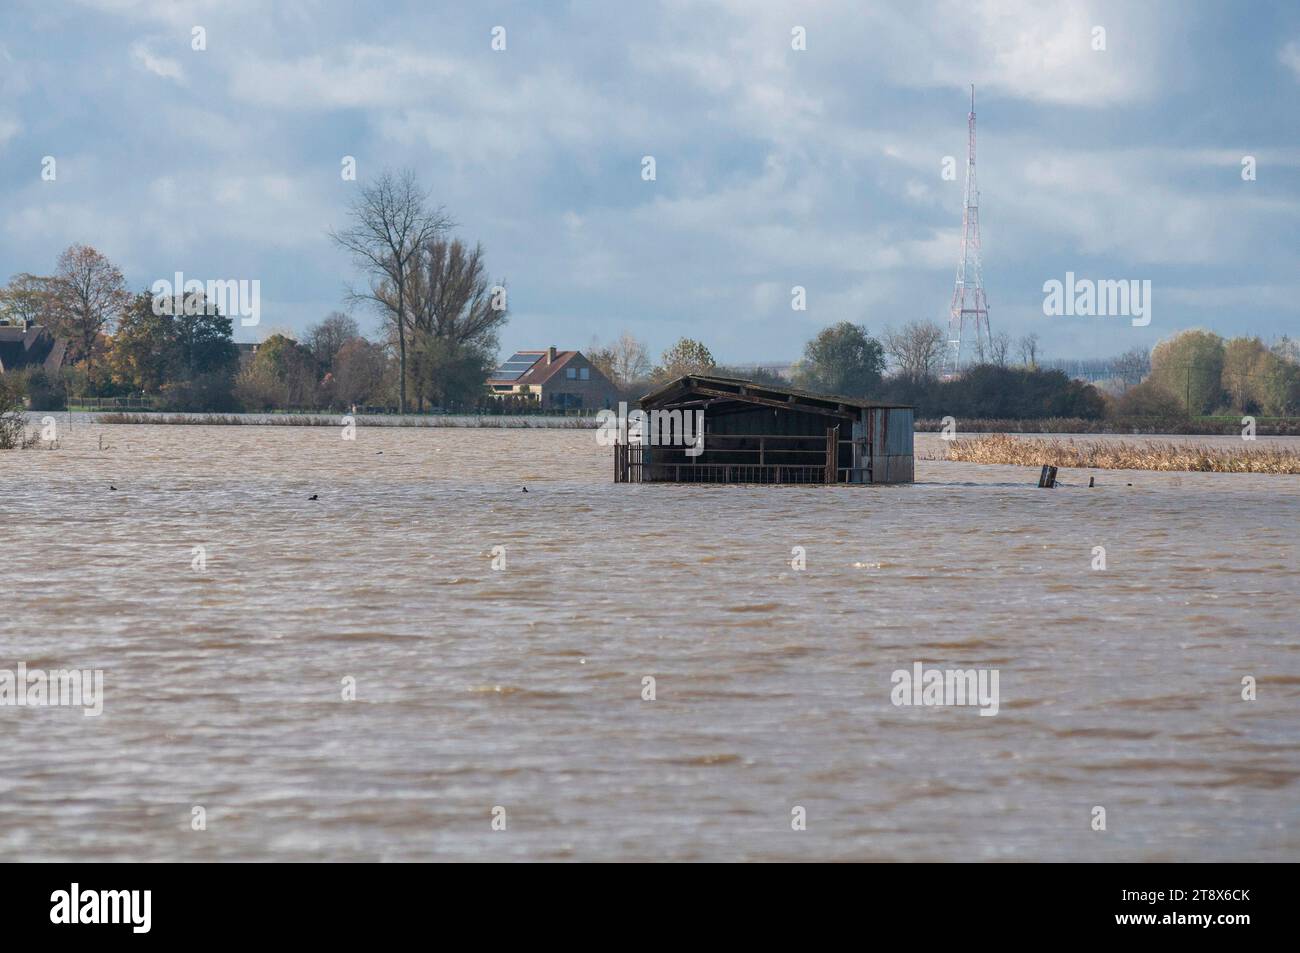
pixel 899 469
pixel 878 423
pixel 901 432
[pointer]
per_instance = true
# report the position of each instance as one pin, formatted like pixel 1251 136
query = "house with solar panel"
pixel 558 380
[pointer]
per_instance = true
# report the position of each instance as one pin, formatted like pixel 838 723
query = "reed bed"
pixel 1136 426
pixel 469 421
pixel 1122 455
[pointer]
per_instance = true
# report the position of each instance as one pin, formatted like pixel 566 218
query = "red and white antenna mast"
pixel 969 315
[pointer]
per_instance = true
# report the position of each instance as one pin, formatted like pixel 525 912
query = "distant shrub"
pixel 988 391
pixel 46 391
pixel 1149 399
pixel 212 392
pixel 13 422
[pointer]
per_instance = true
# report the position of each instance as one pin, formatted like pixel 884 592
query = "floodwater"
pixel 521 689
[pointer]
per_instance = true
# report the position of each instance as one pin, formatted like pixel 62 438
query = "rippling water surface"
pixel 522 688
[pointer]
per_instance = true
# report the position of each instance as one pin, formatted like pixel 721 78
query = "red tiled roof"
pixel 541 372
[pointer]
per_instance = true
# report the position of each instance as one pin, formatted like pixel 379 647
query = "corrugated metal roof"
pixel 738 389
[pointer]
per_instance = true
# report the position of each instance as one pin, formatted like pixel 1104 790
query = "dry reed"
pixel 1122 455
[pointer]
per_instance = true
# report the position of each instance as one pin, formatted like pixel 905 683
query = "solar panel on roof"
pixel 515 367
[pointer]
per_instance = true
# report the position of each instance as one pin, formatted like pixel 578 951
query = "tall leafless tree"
pixel 1029 350
pixel 916 348
pixel 624 361
pixel 999 348
pixel 451 296
pixel 455 313
pixel 392 221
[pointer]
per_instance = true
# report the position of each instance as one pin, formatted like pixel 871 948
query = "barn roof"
pixel 705 390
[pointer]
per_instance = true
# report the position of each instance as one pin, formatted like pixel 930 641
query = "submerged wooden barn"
pixel 755 433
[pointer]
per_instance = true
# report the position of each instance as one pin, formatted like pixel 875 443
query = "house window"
pixel 585 373
pixel 571 373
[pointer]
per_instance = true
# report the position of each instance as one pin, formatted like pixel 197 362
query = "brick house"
pixel 561 380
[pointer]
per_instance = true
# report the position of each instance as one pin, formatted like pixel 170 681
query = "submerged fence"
pixel 138 402
pixel 747 458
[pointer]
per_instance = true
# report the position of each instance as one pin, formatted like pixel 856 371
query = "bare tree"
pixel 455 313
pixel 624 361
pixel 392 222
pixel 1029 350
pixel 1132 366
pixel 1287 349
pixel 324 340
pixel 1000 348
pixel 88 293
pixel 450 295
pixel 917 348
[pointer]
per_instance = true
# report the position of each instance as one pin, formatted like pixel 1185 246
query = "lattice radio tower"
pixel 970 309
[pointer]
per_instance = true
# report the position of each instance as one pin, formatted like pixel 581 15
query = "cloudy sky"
pixel 774 167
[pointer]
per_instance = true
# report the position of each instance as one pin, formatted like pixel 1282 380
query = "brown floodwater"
pixel 521 688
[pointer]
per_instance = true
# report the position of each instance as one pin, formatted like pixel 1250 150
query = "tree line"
pixel 440 315
pixel 1198 373
pixel 179 350
pixel 439 312
pixel 845 360
pixel 1192 373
